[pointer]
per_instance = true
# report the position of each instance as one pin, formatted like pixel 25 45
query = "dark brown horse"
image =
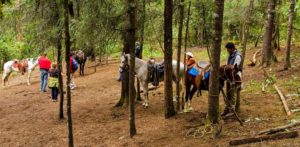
pixel 200 83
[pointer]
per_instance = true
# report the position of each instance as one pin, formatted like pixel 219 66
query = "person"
pixel 233 91
pixel 44 64
pixel 73 68
pixel 137 50
pixel 53 82
pixel 190 62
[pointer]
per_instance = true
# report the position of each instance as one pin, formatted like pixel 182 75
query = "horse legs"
pixel 145 92
pixel 28 77
pixel 5 79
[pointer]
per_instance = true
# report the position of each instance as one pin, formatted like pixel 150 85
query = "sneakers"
pixel 53 100
pixel 187 107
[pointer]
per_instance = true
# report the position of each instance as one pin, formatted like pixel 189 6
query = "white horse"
pixel 26 65
pixel 142 73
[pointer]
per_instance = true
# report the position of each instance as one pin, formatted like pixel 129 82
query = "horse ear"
pixel 235 67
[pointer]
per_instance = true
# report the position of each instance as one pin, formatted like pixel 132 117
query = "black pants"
pixel 54 93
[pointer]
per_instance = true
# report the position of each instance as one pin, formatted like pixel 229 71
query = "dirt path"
pixel 29 117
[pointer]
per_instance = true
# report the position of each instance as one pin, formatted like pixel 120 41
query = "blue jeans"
pixel 44 79
pixel 54 93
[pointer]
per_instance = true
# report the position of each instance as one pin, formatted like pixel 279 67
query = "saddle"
pixel 156 72
pixel 201 68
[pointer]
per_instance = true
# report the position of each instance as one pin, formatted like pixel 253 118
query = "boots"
pixel 190 107
pixel 186 107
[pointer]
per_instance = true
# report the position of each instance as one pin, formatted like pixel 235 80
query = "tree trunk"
pixel 289 36
pixel 59 62
pixel 124 99
pixel 181 15
pixel 213 98
pixel 269 26
pixel 131 39
pixel 186 33
pixel 143 17
pixel 67 44
pixel 246 30
pixel 169 107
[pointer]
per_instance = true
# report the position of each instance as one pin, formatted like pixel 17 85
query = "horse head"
pixel 228 73
pixel 124 65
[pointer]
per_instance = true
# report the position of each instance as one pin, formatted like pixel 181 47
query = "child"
pixel 53 82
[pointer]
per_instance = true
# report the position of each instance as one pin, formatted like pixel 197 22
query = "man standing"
pixel 44 64
pixel 232 89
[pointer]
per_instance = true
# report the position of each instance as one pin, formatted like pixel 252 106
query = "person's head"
pixel 44 54
pixel 137 43
pixel 189 55
pixel 54 65
pixel 230 47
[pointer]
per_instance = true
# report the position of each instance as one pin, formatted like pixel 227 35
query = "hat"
pixel 190 54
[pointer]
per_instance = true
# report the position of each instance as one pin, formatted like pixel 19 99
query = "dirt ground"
pixel 28 117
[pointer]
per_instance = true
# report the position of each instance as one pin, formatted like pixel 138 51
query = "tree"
pixel 269 26
pixel 169 107
pixel 131 42
pixel 67 44
pixel 213 98
pixel 246 30
pixel 289 35
pixel 181 15
pixel 59 60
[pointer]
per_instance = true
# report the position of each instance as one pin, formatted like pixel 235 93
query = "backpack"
pixel 74 64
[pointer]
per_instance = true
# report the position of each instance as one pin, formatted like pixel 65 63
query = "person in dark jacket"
pixel 53 82
pixel 232 90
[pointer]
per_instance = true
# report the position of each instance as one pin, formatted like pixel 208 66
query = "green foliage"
pixel 102 23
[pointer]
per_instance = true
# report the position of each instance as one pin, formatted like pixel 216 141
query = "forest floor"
pixel 28 117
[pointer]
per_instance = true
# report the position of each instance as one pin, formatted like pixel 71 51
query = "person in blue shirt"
pixel 232 90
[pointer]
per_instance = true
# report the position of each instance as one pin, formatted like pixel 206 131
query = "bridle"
pixel 125 66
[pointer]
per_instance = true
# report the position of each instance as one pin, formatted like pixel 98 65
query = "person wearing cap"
pixel 232 90
pixel 190 60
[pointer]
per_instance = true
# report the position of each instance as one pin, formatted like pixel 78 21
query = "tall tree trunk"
pixel 269 26
pixel 289 36
pixel 187 33
pixel 143 18
pixel 78 8
pixel 246 30
pixel 59 61
pixel 67 44
pixel 181 15
pixel 131 32
pixel 124 99
pixel 169 107
pixel 213 98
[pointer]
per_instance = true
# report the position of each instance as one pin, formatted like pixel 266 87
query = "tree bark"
pixel 67 44
pixel 213 98
pixel 278 136
pixel 181 15
pixel 169 107
pixel 131 42
pixel 246 30
pixel 278 129
pixel 269 26
pixel 124 99
pixel 289 36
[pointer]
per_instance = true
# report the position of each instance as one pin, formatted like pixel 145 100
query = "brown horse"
pixel 201 82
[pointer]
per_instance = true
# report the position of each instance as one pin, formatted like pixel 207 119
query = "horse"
pixel 22 66
pixel 142 69
pixel 200 83
pixel 81 58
